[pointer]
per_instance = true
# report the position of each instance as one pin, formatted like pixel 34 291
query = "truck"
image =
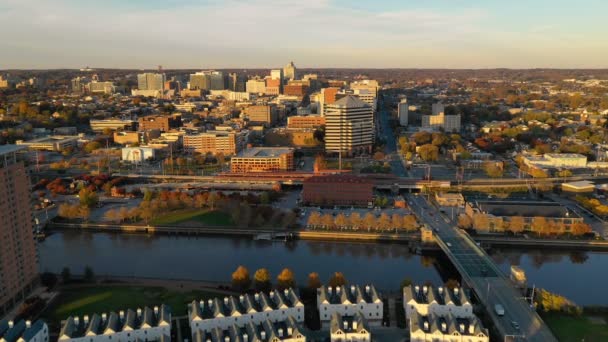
pixel 500 311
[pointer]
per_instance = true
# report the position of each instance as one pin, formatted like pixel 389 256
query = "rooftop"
pixel 265 152
pixel 8 149
pixel 526 209
pixel 349 102
pixel 338 179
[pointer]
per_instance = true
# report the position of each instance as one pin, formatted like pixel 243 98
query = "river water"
pixel 579 276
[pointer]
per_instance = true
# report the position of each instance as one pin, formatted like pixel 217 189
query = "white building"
pixel 438 108
pixel 55 143
pixel 290 71
pixel 256 86
pixel 277 306
pixel 348 301
pixel 446 328
pixel 426 300
pixel 102 87
pixel 557 160
pixel 349 126
pixel 151 81
pixel 23 331
pixel 132 326
pixel 349 328
pixel 286 331
pixel 449 123
pixel 403 112
pixel 138 154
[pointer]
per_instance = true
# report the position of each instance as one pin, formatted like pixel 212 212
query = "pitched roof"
pixel 350 101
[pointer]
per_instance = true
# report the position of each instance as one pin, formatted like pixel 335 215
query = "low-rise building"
pixel 447 199
pixel 433 327
pixel 349 328
pixel 277 306
pixel 226 142
pixel 305 121
pixel 138 154
pixel 261 114
pixel 449 123
pixel 557 160
pixel 427 300
pixel 113 124
pixel 139 137
pixel 164 123
pixel 130 326
pixel 263 159
pixel 338 190
pixel 348 301
pixel 288 330
pixel 56 143
pixel 23 331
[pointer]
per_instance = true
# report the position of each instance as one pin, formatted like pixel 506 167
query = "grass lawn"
pixel 571 328
pixel 211 218
pixel 100 299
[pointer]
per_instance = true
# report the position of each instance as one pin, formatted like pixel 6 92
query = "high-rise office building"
pixel 327 97
pixel 208 80
pixel 290 72
pixel 18 258
pixel 3 82
pixel 256 86
pixel 237 82
pixel 78 85
pixel 402 112
pixel 151 81
pixel 277 74
pixel 449 123
pixel 349 126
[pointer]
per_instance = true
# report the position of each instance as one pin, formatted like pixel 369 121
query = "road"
pixel 390 148
pixel 520 322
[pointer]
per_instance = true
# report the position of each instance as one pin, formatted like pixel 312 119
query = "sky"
pixel 202 34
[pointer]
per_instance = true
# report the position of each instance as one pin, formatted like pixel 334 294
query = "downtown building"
pixel 18 256
pixel 151 81
pixel 225 142
pixel 349 126
pixel 163 123
pixel 263 159
pixel 207 80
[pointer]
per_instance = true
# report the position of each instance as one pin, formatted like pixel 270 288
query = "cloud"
pixel 246 33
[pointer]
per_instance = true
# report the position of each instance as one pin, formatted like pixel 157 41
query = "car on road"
pixel 515 325
pixel 449 244
pixel 499 309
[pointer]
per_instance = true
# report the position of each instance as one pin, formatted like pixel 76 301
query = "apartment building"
pixel 256 86
pixel 23 331
pixel 277 306
pixel 427 300
pixel 348 301
pixel 349 328
pixel 449 123
pixel 113 124
pixel 282 331
pixel 305 121
pixel 18 258
pixel 261 114
pixel 130 326
pixel 226 142
pixel 151 81
pixel 263 159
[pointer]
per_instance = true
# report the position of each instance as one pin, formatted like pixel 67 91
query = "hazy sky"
pixel 312 33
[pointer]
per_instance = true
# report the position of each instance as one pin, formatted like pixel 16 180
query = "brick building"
pixel 228 143
pixel 262 114
pixel 160 122
pixel 295 89
pixel 309 121
pixel 338 190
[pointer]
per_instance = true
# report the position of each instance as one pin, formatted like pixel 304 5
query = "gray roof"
pixel 34 329
pixel 265 152
pixel 352 294
pixel 526 209
pixel 13 334
pixel 350 101
pixel 337 323
pixel 6 149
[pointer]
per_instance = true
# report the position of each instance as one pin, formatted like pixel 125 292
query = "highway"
pixel 519 322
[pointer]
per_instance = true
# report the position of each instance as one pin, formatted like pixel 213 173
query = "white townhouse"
pixel 23 331
pixel 349 300
pixel 446 328
pixel 277 306
pixel 427 300
pixel 287 330
pixel 130 326
pixel 349 328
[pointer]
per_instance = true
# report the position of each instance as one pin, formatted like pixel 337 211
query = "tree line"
pixel 542 226
pixel 369 221
pixel 262 280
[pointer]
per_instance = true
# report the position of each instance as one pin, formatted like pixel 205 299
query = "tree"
pixel 517 224
pixel 261 280
pixel 320 163
pixel 396 221
pixel 327 221
pixel 314 220
pixel 337 279
pixel 580 229
pixel 369 221
pixel 429 152
pixel 481 221
pixel 340 221
pixel 88 198
pixel 493 169
pixel 378 156
pixel 537 173
pixel 48 280
pixel 92 146
pixel 464 221
pixel 539 225
pixel 409 222
pixel 354 220
pixel 384 222
pixel 240 279
pixel 89 276
pixel 314 282
pixel 286 279
pixel 66 275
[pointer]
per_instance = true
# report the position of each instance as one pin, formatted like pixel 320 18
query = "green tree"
pixel 286 279
pixel 89 276
pixel 261 280
pixel 66 275
pixel 240 279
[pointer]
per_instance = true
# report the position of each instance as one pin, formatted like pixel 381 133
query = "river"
pixel 580 277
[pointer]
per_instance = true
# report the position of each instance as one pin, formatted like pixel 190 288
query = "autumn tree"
pixel 464 221
pixel 314 282
pixel 354 220
pixel 314 219
pixel 429 152
pixel 337 279
pixel 261 280
pixel 384 221
pixel 537 173
pixel 481 221
pixel 369 221
pixel 409 222
pixel 517 224
pixel 396 221
pixel 539 225
pixel 88 198
pixel 240 279
pixel 580 228
pixel 340 221
pixel 493 169
pixel 327 221
pixel 286 279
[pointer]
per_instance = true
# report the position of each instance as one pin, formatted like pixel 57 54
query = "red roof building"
pixel 338 190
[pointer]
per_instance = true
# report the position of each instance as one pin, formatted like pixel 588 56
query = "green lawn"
pixel 571 328
pixel 206 217
pixel 100 299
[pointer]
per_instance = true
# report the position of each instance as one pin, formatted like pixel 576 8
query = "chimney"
pixel 104 316
pixel 271 294
pixel 227 339
pixel 352 289
pixel 338 289
pixel 86 319
pixel 461 326
pixel 368 289
pixel 28 324
pixel 11 324
pixel 156 310
pixel 345 325
pixel 226 301
pixel 245 337
pixel 425 289
pixel 242 299
pixel 355 325
pixel 263 334
pixel 138 312
pixel 471 329
pixel 440 290
pixel 286 292
pixel 202 304
pixel 121 314
pixel 331 290
pixel 257 297
pixel 280 331
pixel 456 290
pixel 76 320
pixel 210 302
pixel 417 289
pixel 426 326
pixel 444 327
pixel 290 331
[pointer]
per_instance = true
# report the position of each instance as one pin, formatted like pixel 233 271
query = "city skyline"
pixel 316 34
